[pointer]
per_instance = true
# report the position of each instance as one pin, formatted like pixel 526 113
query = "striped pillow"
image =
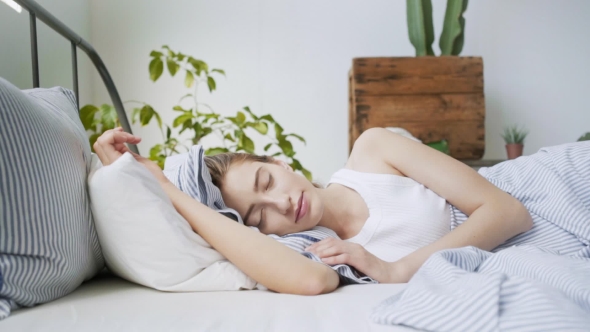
pixel 48 243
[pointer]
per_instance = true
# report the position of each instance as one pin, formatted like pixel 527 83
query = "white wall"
pixel 291 59
pixel 55 67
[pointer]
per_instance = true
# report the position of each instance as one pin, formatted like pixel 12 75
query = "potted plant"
pixel 435 98
pixel 196 118
pixel 514 138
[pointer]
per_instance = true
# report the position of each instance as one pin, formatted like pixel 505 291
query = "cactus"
pixel 452 36
pixel 420 28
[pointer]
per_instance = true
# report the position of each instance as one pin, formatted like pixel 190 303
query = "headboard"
pixel 38 12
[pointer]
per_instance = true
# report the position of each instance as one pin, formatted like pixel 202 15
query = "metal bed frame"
pixel 38 12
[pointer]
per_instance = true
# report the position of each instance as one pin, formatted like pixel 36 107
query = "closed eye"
pixel 260 223
pixel 270 181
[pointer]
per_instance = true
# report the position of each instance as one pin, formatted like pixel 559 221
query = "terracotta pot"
pixel 514 150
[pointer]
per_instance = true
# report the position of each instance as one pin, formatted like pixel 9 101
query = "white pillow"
pixel 145 240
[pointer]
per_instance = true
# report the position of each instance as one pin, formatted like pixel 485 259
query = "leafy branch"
pixel 199 119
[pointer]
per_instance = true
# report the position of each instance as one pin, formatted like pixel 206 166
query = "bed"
pixel 537 280
pixel 109 303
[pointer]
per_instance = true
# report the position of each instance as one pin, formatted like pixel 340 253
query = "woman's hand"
pixel 111 145
pixel 334 251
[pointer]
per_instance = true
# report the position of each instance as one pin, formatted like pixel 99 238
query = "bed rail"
pixel 38 12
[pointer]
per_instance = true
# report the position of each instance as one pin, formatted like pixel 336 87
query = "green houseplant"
pixel 585 137
pixel 421 29
pixel 514 139
pixel 436 98
pixel 195 118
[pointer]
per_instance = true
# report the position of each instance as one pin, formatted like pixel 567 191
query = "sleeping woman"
pixel 394 204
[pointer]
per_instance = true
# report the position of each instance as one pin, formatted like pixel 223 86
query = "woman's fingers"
pixel 101 154
pixel 111 145
pixel 339 259
pixel 319 244
pixel 329 251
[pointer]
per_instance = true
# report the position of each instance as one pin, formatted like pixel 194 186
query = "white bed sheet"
pixel 112 304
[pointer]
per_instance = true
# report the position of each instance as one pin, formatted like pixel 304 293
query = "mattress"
pixel 112 304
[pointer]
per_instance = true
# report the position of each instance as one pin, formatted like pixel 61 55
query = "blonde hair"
pixel 220 164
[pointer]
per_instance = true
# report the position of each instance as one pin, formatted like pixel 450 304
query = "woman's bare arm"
pixel 494 216
pixel 263 259
pixel 260 257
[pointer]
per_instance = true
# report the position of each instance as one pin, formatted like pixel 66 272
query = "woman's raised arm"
pixel 259 256
pixel 263 259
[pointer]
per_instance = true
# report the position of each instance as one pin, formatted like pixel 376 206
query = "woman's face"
pixel 271 197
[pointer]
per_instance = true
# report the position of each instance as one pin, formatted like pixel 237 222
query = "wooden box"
pixel 434 98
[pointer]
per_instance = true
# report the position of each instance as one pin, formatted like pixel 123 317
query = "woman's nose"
pixel 282 203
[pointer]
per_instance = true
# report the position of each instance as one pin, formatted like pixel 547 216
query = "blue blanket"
pixel 536 281
pixel 517 289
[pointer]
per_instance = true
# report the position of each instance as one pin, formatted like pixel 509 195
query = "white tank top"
pixel 404 215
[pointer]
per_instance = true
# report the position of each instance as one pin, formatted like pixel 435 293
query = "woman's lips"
pixel 302 206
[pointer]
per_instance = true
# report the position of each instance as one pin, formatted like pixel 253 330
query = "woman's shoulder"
pixel 363 157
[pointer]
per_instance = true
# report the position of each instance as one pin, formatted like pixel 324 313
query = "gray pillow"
pixel 48 243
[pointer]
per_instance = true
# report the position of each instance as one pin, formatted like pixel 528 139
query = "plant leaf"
pixel 229 138
pixel 276 154
pixel 87 114
pixel 460 40
pixel 155 150
pixel 306 173
pixel 180 56
pixel 268 118
pixel 585 137
pixel 145 115
pixel 279 132
pixel 287 147
pixel 211 83
pixel 451 37
pixel 187 124
pixel 189 80
pixel 156 54
pixel 247 109
pixel 157 156
pixel 158 118
pixel 199 65
pixel 296 164
pixel 215 151
pixel 241 118
pixel 233 119
pixel 298 137
pixel 221 71
pixel 156 69
pixel 261 127
pixel 420 27
pixel 182 119
pixel 266 147
pixel 172 66
pixel 198 132
pixel 135 114
pixel 168 133
pixel 108 117
pixel 247 144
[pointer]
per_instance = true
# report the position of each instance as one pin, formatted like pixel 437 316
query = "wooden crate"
pixel 434 98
